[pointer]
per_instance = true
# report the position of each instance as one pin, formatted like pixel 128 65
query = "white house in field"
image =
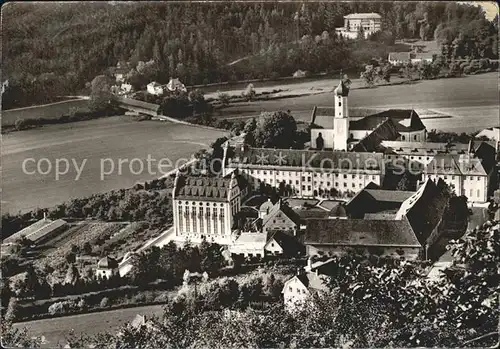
pixel 299 288
pixel 155 88
pixel 175 85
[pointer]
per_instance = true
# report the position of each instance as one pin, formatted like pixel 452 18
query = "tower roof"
pixel 341 89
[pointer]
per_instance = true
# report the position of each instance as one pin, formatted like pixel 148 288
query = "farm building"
pixel 368 236
pixel 139 107
pixel 38 231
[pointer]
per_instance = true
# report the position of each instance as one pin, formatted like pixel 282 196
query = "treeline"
pixel 197 41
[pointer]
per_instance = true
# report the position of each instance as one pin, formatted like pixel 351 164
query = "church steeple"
pixel 341 118
pixel 341 90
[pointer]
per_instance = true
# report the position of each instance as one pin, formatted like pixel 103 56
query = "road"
pixel 54 330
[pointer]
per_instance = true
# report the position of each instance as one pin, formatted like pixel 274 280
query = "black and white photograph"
pixel 260 174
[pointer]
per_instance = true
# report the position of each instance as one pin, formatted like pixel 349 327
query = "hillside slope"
pixel 68 44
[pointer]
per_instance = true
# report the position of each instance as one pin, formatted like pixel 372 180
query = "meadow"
pixel 47 111
pixel 113 139
pixel 471 101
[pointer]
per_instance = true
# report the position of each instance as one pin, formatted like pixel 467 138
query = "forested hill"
pixel 52 49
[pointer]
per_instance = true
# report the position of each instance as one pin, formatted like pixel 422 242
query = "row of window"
pixel 289 173
pixel 193 203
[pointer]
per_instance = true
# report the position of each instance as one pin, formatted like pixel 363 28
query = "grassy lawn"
pixel 53 110
pixel 329 204
pixel 293 202
pixel 472 101
pixel 95 141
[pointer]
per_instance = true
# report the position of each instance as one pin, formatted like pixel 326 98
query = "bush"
pixel 249 92
pixel 21 124
pixel 223 98
pixel 274 75
pixel 104 302
pixel 63 307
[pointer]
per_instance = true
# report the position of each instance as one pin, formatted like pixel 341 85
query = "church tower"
pixel 341 118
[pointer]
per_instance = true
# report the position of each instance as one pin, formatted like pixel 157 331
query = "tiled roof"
pixel 366 15
pixel 107 263
pixel 328 160
pixel 360 232
pixel 387 130
pixel 423 55
pixel 370 122
pixel 452 164
pixel 176 85
pixel 254 240
pixel 389 195
pixel 313 281
pixel 381 215
pixel 338 211
pixel 37 230
pixel 129 102
pixel 203 188
pixel 425 208
pixel 368 201
pixel 288 243
pixel 399 56
pixel 312 213
pixel 416 148
pixel 277 207
pixel 486 153
pixel 267 205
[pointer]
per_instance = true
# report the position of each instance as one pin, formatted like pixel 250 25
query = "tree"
pixel 249 92
pixel 198 102
pixel 404 182
pixel 249 131
pixel 12 310
pixel 100 96
pixel 369 76
pixel 275 130
pixel 223 98
pixel 72 275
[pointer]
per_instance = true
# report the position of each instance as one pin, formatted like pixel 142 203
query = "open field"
pixel 48 111
pixel 472 101
pixel 54 330
pixel 114 138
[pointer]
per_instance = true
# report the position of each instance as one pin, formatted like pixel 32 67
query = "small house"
pixel 299 74
pixel 282 244
pixel 175 85
pixel 107 267
pixel 155 88
pixel 302 286
pixel 249 245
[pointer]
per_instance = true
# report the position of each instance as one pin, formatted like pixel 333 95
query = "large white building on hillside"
pixel 354 23
pixel 204 207
pixel 306 173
